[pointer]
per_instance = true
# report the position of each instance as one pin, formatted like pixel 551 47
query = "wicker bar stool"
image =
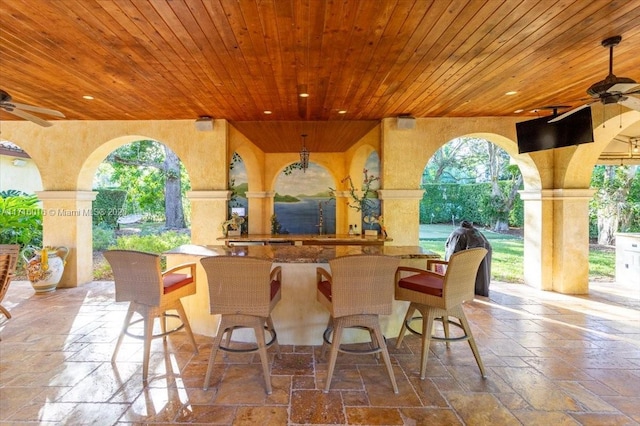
pixel 243 291
pixel 440 296
pixel 150 292
pixel 357 291
pixel 8 260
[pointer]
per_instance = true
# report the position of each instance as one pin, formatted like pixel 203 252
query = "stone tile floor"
pixel 551 359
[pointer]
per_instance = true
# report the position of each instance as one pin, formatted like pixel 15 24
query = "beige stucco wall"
pixel 23 177
pixel 556 182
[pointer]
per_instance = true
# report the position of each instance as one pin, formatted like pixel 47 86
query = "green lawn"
pixel 507 259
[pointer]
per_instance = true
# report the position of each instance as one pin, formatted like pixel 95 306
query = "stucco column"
pixel 260 211
pixel 401 213
pixel 556 239
pixel 66 221
pixel 208 213
pixel 538 238
pixel 571 240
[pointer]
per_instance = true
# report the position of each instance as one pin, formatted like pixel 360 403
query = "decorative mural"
pixel 303 203
pixel 238 184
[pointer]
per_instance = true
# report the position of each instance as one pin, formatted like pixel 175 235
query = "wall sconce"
pixel 304 155
pixel 19 162
pixel 204 123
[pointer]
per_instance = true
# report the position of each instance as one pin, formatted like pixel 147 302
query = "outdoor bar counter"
pixel 298 318
pixel 305 239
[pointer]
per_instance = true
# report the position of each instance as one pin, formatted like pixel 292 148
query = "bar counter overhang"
pixel 298 318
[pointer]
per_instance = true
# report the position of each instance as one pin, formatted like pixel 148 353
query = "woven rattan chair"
pixel 150 292
pixel 243 291
pixel 357 291
pixel 8 261
pixel 438 297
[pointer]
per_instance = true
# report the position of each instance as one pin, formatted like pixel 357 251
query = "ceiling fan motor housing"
pixel 600 89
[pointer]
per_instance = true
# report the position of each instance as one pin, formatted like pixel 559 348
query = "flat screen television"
pixel 538 134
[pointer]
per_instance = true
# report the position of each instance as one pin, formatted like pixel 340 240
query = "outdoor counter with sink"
pixel 299 319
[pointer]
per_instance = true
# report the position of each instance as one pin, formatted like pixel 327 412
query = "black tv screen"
pixel 538 134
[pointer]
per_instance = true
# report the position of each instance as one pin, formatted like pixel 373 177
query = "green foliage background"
pixel 464 201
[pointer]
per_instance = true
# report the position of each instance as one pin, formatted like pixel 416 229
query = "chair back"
pixel 238 284
pixel 14 251
pixel 362 284
pixel 8 260
pixel 137 276
pixel 460 278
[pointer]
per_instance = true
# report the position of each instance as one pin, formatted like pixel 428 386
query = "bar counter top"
pixel 302 254
pixel 307 239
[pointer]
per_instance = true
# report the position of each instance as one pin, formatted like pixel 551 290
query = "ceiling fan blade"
pixel 568 113
pixel 29 117
pixel 622 87
pixel 630 102
pixel 41 110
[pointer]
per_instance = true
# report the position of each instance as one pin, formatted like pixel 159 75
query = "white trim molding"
pixel 209 195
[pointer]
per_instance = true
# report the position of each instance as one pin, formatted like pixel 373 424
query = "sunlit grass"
pixel 507 260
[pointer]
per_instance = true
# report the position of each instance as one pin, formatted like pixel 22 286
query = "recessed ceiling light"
pixel 303 95
pixel 342 111
pixel 267 112
pixel 88 97
pixel 512 92
pixel 518 111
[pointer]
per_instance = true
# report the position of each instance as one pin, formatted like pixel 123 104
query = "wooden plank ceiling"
pixel 360 61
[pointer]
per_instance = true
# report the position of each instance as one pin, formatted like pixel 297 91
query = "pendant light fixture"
pixel 304 155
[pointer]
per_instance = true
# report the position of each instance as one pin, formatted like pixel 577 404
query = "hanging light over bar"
pixel 304 155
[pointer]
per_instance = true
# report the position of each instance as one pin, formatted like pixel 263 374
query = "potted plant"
pixel 360 201
pixel 232 225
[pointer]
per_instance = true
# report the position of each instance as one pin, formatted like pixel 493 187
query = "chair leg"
pixel 125 326
pixel 148 336
pixel 262 350
pixel 472 343
pixel 323 352
pixel 428 315
pixel 275 343
pixel 214 350
pixel 445 326
pixel 5 312
pixel 183 317
pixel 333 353
pixel 403 329
pixel 385 355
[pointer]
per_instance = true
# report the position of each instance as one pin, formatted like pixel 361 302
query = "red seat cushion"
pixel 175 281
pixel 423 283
pixel 325 288
pixel 275 288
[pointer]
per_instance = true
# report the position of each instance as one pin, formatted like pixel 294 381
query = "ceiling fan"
pixel 19 110
pixel 611 90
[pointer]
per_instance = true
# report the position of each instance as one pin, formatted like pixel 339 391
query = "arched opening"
pixel 472 179
pixel 141 201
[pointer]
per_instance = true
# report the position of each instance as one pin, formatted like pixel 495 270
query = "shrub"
pixel 157 243
pixel 20 219
pixel 108 206
pixel 103 237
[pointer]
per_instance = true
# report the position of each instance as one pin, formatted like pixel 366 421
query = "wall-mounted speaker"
pixel 406 123
pixel 204 124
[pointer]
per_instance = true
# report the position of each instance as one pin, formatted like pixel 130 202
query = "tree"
pixel 151 174
pixel 612 202
pixel 502 202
